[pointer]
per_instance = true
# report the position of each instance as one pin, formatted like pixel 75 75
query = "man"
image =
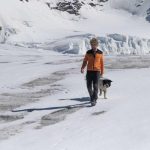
pixel 95 69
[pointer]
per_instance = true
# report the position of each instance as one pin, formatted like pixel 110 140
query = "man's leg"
pixel 95 85
pixel 89 84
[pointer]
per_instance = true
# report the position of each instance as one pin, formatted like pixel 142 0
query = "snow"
pixel 44 102
pixel 120 122
pixel 28 26
pixel 19 69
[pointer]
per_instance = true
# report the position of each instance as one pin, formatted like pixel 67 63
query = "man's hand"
pixel 83 66
pixel 82 70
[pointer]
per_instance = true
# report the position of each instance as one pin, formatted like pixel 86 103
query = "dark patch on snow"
pixel 127 62
pixel 98 113
pixel 27 23
pixel 74 6
pixel 63 62
pixel 148 18
pixel 8 118
pixel 80 99
pixel 46 86
pixel 70 7
pixel 9 131
pixel 24 0
pixel 139 3
pixel 4 62
pixel 28 122
pixel 148 15
pixel 54 77
pixel 92 4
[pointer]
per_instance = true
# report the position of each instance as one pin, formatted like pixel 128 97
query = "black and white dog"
pixel 104 83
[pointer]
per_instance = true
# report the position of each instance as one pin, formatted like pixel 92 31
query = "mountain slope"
pixel 40 22
pixel 138 7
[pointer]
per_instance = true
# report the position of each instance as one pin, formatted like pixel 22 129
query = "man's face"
pixel 94 46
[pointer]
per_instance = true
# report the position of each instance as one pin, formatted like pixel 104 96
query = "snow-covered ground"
pixel 50 101
pixel 44 103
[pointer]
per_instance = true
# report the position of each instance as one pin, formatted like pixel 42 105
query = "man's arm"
pixel 84 63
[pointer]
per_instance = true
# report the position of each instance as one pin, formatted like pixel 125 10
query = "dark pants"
pixel 92 78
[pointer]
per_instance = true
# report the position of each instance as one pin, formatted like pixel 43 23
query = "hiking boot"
pixel 93 102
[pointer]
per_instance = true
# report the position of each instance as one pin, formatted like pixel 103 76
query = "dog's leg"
pixel 100 87
pixel 105 91
pixel 100 92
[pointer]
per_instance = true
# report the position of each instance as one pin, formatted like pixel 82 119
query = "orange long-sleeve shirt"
pixel 94 62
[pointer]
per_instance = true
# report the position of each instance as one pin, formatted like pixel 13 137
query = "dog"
pixel 104 83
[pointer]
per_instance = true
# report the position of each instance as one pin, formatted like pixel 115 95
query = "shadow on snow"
pixel 80 105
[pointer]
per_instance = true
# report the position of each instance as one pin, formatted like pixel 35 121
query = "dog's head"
pixel 107 83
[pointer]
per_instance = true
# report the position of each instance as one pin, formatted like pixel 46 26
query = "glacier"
pixel 120 29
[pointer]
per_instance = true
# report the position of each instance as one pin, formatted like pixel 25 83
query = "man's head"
pixel 94 43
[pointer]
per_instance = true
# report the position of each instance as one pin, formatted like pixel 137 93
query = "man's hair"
pixel 94 41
